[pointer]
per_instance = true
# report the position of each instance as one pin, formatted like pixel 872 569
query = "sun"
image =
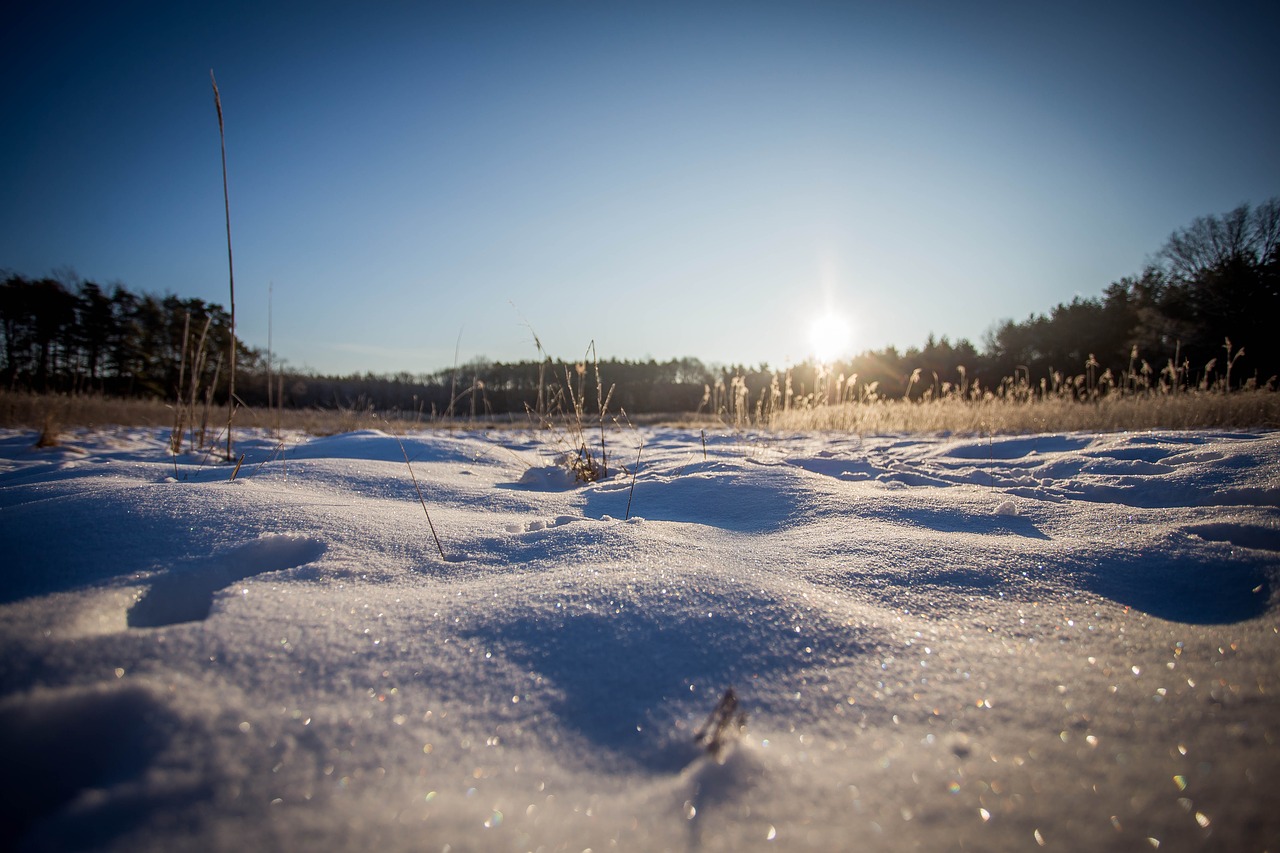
pixel 830 336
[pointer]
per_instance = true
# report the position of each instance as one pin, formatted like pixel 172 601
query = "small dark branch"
pixel 723 726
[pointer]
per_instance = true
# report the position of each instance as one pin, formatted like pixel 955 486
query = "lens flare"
pixel 830 336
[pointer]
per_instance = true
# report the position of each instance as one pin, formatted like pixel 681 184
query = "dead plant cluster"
pixel 563 409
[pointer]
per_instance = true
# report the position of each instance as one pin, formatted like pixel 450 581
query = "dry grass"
pixel 1108 414
pixel 564 413
pixel 1203 410
pixel 20 410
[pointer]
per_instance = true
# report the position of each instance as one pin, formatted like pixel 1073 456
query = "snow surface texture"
pixel 1068 641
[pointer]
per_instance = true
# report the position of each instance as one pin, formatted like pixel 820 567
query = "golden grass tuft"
pixel 50 432
pixel 1257 409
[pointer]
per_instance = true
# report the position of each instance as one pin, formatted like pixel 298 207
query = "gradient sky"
pixel 667 179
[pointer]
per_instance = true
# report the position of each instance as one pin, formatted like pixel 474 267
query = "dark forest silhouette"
pixel 1201 315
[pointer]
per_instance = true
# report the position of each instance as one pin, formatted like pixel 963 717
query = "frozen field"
pixel 1066 641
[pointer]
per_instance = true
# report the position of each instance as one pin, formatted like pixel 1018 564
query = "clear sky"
pixel 667 179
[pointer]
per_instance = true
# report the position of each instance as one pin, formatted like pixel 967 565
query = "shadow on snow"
pixel 1196 590
pixel 636 683
pixel 187 595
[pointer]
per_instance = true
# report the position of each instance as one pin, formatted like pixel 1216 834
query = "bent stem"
pixel 634 472
pixel 421 499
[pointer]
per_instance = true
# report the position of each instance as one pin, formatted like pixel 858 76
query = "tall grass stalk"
pixel 603 400
pixel 453 379
pixel 175 437
pixel 1231 362
pixel 270 377
pixel 198 358
pixel 231 271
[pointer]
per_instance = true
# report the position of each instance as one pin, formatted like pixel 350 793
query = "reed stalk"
pixel 231 271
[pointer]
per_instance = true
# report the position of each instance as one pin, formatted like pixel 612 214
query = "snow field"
pixel 1060 640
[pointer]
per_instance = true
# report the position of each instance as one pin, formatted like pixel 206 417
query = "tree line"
pixel 87 338
pixel 1201 315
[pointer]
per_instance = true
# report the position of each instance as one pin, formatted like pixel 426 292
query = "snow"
pixel 956 642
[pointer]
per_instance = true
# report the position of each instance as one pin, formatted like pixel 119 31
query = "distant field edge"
pixel 1181 411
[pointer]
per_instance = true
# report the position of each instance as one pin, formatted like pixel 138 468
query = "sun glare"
pixel 830 337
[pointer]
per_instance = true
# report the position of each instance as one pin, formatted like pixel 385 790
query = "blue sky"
pixel 666 179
